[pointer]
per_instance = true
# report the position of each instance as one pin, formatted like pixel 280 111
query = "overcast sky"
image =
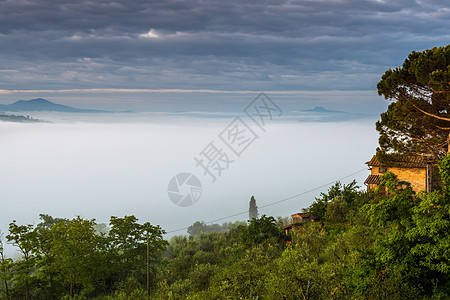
pixel 202 50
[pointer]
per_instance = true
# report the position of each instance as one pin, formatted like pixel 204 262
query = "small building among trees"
pixel 417 170
pixel 296 219
pixel 302 217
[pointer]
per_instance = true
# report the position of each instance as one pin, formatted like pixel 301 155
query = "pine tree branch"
pixel 443 128
pixel 426 113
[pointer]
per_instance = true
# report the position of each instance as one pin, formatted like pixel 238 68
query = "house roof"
pixel 402 161
pixel 304 215
pixel 373 179
pixel 288 226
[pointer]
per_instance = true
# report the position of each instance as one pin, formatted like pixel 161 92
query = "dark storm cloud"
pixel 213 44
pixel 288 18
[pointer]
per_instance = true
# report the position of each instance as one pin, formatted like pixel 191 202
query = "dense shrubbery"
pixel 66 258
pixel 384 244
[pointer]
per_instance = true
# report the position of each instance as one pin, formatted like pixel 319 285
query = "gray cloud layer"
pixel 231 45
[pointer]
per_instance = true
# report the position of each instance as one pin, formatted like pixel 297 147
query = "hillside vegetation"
pixel 371 245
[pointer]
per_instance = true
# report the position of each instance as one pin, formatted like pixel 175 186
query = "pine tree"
pixel 418 119
pixel 253 209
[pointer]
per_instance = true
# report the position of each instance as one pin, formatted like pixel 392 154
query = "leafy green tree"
pixel 336 210
pixel 244 277
pixel 253 209
pixel 200 227
pixel 201 276
pixel 184 254
pixel 342 260
pixel 232 225
pixel 344 194
pixel 46 255
pixel 5 268
pixel 23 237
pixel 135 294
pixel 197 228
pixel 298 273
pixel 418 119
pixel 48 221
pixel 393 266
pixel 392 204
pixel 261 230
pixel 78 258
pixel 430 236
pixel 430 241
pixel 129 245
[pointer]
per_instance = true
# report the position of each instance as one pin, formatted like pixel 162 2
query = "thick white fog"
pixel 97 170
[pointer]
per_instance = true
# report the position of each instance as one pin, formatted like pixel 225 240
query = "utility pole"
pixel 148 266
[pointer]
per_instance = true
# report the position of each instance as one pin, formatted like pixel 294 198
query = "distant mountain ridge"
pixel 322 114
pixel 40 104
pixel 321 109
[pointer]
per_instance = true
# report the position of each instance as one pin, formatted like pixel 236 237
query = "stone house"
pixel 302 217
pixel 417 170
pixel 296 219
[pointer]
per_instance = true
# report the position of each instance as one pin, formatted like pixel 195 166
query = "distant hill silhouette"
pixel 321 109
pixel 20 119
pixel 40 104
pixel 322 114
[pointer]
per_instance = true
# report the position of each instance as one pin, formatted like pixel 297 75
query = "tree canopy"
pixel 418 120
pixel 336 204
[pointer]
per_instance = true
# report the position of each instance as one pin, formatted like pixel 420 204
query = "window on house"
pixel 382 170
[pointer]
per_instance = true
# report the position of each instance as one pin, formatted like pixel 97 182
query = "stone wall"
pixel 416 176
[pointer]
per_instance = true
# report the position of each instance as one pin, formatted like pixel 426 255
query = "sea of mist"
pixel 99 166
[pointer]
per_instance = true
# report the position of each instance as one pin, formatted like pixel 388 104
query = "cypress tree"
pixel 253 209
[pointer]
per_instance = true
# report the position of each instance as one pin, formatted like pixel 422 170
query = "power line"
pixel 276 202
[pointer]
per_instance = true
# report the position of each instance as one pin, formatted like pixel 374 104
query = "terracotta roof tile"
pixel 373 179
pixel 403 161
